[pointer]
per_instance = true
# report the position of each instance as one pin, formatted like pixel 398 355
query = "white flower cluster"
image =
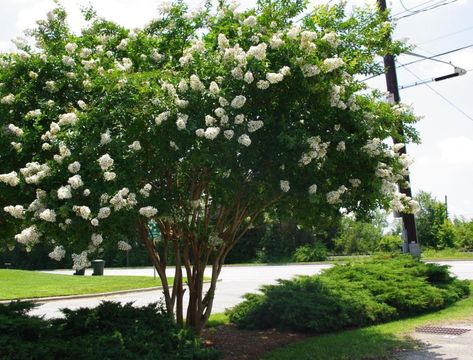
pixel 58 253
pixel 333 197
pixel 148 211
pixel 74 167
pixel 355 182
pixel 196 84
pixel 15 130
pixel 211 132
pixel 7 100
pixel 71 48
pixel 28 236
pixel 125 65
pixel 254 125
pixel 284 184
pixel 250 21
pixel 123 199
pixel 104 212
pixel 162 117
pixel 75 181
pixel 309 70
pixel 244 140
pixel 96 239
pixel 80 261
pixel 307 40
pixel 373 147
pixel 341 146
pixel 123 246
pixel 68 61
pixel 404 204
pixel 67 119
pixel 312 189
pixel 64 192
pixel 16 211
pixel 105 137
pixel 331 64
pixel 34 172
pixel 336 97
pixel 11 178
pixel 318 151
pixel 82 211
pixel 332 39
pixel 48 215
pixel 145 191
pixel 105 161
pixel 258 51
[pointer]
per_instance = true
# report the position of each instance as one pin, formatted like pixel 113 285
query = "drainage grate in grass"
pixel 441 330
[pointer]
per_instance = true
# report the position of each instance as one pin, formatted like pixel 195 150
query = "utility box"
pixel 98 266
pixel 414 249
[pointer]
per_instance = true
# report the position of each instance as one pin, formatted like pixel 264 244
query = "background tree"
pixel 433 227
pixel 198 124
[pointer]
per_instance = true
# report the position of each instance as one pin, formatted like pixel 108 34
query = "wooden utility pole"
pixel 411 244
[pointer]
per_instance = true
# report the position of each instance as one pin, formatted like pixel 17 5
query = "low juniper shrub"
pixel 351 295
pixel 108 331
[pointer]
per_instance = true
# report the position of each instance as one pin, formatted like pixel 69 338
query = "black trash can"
pixel 98 266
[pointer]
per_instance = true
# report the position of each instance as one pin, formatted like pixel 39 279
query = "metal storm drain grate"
pixel 441 330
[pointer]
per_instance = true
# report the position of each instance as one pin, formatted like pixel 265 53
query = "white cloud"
pixel 457 150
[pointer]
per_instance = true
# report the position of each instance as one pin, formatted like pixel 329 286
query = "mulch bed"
pixel 238 344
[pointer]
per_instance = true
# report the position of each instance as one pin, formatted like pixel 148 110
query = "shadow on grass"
pixel 427 352
pixel 366 343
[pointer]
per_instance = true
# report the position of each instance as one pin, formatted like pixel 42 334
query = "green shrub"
pixel 308 253
pixel 109 331
pixel 390 243
pixel 352 295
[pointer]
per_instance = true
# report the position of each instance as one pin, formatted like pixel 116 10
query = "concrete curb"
pixel 84 296
pixel 89 296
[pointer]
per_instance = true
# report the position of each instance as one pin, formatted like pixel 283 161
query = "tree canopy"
pixel 198 123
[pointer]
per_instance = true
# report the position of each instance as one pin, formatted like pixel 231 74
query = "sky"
pixel 443 161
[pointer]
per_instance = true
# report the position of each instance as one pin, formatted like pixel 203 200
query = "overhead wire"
pixel 414 7
pixel 442 96
pixel 447 35
pixel 437 55
pixel 428 8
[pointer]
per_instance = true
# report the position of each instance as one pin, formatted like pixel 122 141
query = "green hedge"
pixel 351 295
pixel 109 331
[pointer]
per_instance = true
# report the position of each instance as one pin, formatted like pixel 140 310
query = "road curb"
pixel 84 296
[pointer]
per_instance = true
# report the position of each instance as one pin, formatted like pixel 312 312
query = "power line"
pixel 437 55
pixel 405 8
pixel 447 35
pixel 423 59
pixel 414 7
pixel 442 96
pixel 432 7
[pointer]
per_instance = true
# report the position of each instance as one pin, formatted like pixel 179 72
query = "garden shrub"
pixel 108 331
pixel 314 252
pixel 351 295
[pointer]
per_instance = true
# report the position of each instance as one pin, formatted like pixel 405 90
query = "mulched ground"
pixel 238 344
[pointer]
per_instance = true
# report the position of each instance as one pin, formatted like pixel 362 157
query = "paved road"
pixel 234 282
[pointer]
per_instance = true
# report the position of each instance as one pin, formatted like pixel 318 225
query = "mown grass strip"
pixel 21 284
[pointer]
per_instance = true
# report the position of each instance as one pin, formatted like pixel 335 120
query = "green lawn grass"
pixel 446 254
pixel 21 284
pixel 373 342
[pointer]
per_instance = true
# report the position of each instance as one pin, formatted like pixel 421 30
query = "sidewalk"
pixel 441 346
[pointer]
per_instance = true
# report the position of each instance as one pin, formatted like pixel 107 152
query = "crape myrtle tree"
pixel 197 124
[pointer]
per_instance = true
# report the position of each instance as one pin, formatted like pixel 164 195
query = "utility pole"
pixel 446 206
pixel 409 233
